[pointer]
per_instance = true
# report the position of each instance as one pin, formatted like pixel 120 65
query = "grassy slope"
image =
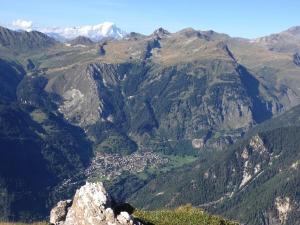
pixel 186 215
pixel 183 215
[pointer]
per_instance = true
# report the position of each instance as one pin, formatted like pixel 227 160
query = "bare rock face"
pixel 296 59
pixel 59 213
pixel 91 205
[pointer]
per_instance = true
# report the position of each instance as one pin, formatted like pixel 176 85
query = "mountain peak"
pixel 94 32
pixel 191 32
pixel 160 32
pixel 24 40
pixel 81 40
pixel 293 31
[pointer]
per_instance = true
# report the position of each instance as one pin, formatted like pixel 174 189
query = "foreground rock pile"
pixel 91 205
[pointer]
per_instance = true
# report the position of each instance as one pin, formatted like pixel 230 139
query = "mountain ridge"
pixel 110 30
pixel 94 32
pixel 25 41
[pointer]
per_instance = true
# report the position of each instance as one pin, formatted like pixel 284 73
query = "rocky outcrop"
pixel 86 93
pixel 59 213
pixel 296 59
pixel 283 206
pixel 91 205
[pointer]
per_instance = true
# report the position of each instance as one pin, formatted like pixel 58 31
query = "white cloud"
pixel 94 32
pixel 22 24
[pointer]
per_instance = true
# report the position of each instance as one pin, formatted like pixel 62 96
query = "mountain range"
pixel 106 30
pixel 163 120
pixel 94 32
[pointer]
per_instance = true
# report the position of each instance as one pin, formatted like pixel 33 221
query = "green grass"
pixel 38 116
pixel 186 215
pixel 174 162
pixel 179 161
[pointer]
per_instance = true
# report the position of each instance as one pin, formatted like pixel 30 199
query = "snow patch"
pixel 79 46
pixel 94 32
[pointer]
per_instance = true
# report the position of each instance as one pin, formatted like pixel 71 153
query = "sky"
pixel 238 18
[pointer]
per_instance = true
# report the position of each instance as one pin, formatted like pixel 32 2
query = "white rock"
pixel 124 217
pixel 91 206
pixel 283 205
pixel 198 143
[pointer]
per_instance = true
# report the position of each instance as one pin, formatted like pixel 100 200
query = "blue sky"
pixel 249 19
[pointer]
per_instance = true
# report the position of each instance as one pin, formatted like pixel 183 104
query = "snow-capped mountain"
pixel 94 32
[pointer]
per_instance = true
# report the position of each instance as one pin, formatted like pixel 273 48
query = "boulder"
pixel 91 205
pixel 58 214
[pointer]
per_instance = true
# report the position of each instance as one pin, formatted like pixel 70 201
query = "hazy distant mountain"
pixel 93 32
pixel 288 40
pixel 81 40
pixel 23 40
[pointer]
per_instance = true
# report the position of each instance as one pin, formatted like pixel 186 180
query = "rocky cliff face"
pixel 91 205
pixel 212 94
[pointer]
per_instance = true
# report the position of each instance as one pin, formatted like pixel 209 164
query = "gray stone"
pixel 59 212
pixel 91 205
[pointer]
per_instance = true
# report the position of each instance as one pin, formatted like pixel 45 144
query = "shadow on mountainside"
pixel 259 109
